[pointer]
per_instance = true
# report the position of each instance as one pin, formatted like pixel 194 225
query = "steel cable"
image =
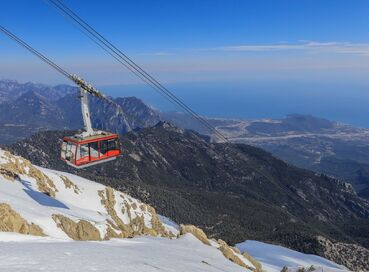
pixel 117 54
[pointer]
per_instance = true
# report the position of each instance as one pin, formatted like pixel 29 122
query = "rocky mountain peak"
pixel 169 126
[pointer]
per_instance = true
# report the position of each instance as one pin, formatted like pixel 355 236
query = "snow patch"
pixel 169 225
pixel 144 254
pixel 274 258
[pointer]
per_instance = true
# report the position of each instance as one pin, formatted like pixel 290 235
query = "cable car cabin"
pixel 82 152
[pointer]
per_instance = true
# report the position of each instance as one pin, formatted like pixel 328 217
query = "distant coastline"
pixel 339 103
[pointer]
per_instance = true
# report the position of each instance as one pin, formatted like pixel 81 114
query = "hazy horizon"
pixel 261 101
pixel 346 103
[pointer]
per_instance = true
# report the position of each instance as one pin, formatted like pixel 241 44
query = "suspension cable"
pixel 128 63
pixel 58 68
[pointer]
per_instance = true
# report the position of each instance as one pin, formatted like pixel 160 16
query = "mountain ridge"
pixel 28 108
pixel 329 147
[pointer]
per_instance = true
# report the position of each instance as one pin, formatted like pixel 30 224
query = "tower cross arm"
pixel 86 86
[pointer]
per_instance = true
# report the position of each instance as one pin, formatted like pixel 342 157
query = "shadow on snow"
pixel 42 198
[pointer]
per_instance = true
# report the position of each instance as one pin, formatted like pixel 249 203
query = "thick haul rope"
pixel 128 63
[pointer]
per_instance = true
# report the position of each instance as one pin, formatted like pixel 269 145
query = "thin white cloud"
pixel 157 54
pixel 261 48
pixel 304 45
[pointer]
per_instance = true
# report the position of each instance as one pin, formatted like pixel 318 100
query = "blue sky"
pixel 206 40
pixel 305 46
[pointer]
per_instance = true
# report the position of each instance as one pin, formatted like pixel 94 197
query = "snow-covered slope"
pixel 43 212
pixel 56 202
pixel 274 258
pixel 146 254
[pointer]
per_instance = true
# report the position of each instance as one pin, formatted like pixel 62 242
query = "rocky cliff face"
pixel 139 115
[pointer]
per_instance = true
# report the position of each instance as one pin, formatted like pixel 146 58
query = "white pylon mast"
pixel 86 89
pixel 86 114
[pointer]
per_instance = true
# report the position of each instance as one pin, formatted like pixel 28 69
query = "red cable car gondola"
pixel 91 146
pixel 82 152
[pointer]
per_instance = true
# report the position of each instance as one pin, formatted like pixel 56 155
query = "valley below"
pixel 336 149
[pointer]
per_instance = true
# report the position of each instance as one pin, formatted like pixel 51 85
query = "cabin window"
pixel 94 150
pixel 73 149
pixel 69 151
pixel 83 151
pixel 103 147
pixel 113 144
pixel 108 145
pixel 63 150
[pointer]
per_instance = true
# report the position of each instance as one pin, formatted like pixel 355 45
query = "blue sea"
pixel 346 103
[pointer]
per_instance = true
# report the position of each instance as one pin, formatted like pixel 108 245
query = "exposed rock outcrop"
pixel 195 231
pixel 81 230
pixel 231 254
pixel 69 184
pixel 135 215
pixel 8 175
pixel 11 221
pixel 258 266
pixel 14 166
